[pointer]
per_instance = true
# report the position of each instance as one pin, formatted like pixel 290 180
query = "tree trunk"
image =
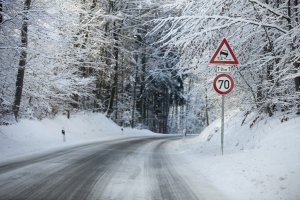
pixel 1 10
pixel 206 108
pixel 297 79
pixel 134 94
pixel 116 68
pixel 296 2
pixel 296 64
pixel 22 62
pixel 289 14
pixel 142 90
pixel 297 86
pixel 135 102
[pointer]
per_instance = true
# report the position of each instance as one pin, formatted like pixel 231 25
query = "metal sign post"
pixel 223 84
pixel 222 125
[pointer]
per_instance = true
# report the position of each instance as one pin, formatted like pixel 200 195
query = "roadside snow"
pixel 259 163
pixel 32 136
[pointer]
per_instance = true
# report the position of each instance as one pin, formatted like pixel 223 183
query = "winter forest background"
pixel 145 62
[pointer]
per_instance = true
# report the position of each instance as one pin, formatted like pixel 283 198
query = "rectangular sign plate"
pixel 224 69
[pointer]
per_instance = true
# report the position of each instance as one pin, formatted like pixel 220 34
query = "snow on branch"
pixel 231 20
pixel 270 9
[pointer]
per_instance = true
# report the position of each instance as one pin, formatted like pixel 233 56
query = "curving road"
pixel 138 168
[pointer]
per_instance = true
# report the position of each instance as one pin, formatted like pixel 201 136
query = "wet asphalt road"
pixel 132 169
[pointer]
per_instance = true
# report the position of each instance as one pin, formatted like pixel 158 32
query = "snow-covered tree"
pixel 265 37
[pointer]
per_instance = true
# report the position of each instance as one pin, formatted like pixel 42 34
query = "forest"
pixel 144 63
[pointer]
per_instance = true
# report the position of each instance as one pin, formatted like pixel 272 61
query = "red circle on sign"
pixel 218 90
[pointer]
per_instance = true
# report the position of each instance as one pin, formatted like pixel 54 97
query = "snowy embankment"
pixel 259 163
pixel 33 136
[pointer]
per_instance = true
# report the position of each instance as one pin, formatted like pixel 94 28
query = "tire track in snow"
pixel 73 181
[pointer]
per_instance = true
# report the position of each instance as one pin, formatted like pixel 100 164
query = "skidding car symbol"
pixel 223 54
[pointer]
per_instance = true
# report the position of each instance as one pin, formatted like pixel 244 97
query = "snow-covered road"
pixel 131 168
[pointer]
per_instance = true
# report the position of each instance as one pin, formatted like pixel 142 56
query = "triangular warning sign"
pixel 224 55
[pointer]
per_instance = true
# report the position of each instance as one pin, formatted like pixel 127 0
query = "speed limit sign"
pixel 223 84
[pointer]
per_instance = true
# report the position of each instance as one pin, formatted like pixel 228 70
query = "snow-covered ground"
pixel 259 163
pixel 33 136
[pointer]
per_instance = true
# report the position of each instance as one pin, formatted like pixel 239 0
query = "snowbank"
pixel 262 162
pixel 32 136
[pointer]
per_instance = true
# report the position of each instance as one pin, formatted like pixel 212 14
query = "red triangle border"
pixel 224 62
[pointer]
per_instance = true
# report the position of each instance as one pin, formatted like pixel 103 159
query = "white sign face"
pixel 223 84
pixel 224 69
pixel 224 54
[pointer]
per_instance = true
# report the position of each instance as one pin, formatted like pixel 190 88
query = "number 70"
pixel 224 83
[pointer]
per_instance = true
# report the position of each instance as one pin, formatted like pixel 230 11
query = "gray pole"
pixel 222 124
